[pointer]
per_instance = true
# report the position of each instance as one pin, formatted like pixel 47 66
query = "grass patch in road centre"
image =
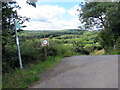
pixel 98 52
pixel 25 77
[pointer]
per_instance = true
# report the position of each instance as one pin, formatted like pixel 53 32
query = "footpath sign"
pixel 45 42
pixel 17 26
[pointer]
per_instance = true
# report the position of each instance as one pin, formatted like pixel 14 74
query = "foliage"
pixel 65 50
pixel 11 60
pixel 63 43
pixel 32 51
pixel 9 15
pixel 105 16
pixel 25 77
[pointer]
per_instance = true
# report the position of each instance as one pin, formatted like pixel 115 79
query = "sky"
pixel 51 15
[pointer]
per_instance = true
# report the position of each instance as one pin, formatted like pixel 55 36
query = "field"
pixel 75 39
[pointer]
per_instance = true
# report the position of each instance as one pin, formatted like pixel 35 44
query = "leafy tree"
pixel 105 16
pixel 9 14
pixel 94 13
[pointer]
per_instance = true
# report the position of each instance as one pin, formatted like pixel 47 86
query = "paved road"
pixel 82 72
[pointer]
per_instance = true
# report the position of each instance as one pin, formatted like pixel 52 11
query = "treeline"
pixel 105 16
pixel 84 43
pixel 48 33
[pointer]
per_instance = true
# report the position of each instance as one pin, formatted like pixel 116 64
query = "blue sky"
pixel 66 5
pixel 51 15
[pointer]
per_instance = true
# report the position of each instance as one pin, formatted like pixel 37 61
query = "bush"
pixel 65 50
pixel 60 49
pixel 91 48
pixel 117 44
pixel 10 58
pixel 32 51
pixel 81 51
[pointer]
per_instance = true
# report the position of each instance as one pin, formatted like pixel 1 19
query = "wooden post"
pixel 45 54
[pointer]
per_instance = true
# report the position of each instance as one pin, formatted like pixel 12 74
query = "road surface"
pixel 82 72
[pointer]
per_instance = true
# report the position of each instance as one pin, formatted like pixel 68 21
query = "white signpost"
pixel 17 26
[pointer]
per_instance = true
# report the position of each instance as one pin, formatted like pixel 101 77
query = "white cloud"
pixel 43 13
pixel 73 11
pixel 46 17
pixel 59 25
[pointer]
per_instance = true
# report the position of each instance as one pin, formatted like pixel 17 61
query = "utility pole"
pixel 18 47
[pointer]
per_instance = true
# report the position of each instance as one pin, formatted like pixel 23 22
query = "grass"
pixel 113 53
pixel 98 52
pixel 102 52
pixel 25 77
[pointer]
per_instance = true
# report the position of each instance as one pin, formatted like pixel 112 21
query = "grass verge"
pixel 25 77
pixel 114 53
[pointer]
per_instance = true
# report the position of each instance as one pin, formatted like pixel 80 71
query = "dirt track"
pixel 82 72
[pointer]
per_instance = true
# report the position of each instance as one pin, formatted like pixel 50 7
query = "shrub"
pixel 29 51
pixel 10 59
pixel 32 51
pixel 60 49
pixel 91 47
pixel 65 50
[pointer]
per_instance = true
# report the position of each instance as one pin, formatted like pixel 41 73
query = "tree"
pixel 104 15
pixel 9 13
pixel 94 13
pixel 8 16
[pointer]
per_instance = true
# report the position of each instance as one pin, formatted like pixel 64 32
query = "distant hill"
pixel 54 30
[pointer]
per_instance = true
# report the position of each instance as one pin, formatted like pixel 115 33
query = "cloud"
pixel 59 25
pixel 49 17
pixel 73 11
pixel 43 13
